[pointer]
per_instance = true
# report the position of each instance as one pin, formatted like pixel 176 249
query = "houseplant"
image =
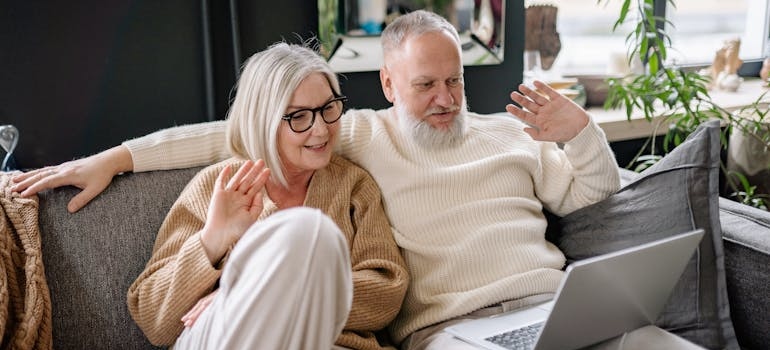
pixel 678 98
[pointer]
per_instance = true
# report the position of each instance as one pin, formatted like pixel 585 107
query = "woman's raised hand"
pixel 235 205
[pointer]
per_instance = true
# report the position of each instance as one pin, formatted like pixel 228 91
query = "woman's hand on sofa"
pixel 92 175
pixel 191 316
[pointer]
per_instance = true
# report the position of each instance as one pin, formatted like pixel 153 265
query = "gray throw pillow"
pixel 677 194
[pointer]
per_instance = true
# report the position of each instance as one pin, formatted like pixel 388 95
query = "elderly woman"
pixel 240 261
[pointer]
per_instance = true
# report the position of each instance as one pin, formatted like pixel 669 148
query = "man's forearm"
pixel 179 147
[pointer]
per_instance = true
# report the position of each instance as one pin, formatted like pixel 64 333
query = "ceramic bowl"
pixel 596 88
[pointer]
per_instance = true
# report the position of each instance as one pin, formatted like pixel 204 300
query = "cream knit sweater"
pixel 468 219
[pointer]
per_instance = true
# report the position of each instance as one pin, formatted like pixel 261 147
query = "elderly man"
pixel 464 192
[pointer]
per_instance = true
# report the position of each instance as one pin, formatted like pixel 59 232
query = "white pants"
pixel 434 337
pixel 286 285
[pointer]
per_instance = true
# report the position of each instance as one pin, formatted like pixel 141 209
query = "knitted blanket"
pixel 25 302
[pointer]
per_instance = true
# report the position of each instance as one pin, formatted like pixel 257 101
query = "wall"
pixel 79 77
pixel 487 87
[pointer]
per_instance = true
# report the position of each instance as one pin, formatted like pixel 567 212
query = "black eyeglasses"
pixel 302 120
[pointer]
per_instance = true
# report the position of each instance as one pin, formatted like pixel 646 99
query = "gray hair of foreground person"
pixel 265 88
pixel 417 23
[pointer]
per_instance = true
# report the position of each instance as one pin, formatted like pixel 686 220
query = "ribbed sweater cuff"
pixel 194 256
pixel 179 147
pixel 588 137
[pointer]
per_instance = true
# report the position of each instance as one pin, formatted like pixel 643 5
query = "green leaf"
pixel 646 161
pixel 653 62
pixel 622 15
pixel 661 48
pixel 680 96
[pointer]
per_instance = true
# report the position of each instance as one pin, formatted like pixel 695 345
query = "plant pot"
pixel 595 86
pixel 748 155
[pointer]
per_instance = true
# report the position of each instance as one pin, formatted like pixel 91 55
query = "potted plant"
pixel 680 98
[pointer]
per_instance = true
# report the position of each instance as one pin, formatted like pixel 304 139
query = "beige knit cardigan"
pixel 179 273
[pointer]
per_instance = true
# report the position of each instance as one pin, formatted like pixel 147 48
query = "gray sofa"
pixel 91 257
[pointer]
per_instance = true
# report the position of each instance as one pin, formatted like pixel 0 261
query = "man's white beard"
pixel 427 136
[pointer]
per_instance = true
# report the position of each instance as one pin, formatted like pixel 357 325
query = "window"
pixel 700 28
pixel 587 40
pixel 589 46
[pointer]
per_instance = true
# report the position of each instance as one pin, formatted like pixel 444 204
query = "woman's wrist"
pixel 213 245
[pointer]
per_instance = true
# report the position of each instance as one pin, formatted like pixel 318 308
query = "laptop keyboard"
pixel 518 339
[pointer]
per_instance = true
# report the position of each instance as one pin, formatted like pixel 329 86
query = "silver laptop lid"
pixel 607 295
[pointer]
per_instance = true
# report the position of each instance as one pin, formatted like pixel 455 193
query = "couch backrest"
pixel 746 233
pixel 91 257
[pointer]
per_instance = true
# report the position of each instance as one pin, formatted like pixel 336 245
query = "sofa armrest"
pixel 746 236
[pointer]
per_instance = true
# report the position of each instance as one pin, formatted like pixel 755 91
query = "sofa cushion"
pixel 746 233
pixel 677 194
pixel 91 257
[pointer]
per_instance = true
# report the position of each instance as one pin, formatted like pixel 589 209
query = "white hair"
pixel 414 24
pixel 264 91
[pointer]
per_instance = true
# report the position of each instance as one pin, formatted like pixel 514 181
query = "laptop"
pixel 599 298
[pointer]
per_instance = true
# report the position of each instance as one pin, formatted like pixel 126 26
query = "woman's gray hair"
pixel 265 87
pixel 414 24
